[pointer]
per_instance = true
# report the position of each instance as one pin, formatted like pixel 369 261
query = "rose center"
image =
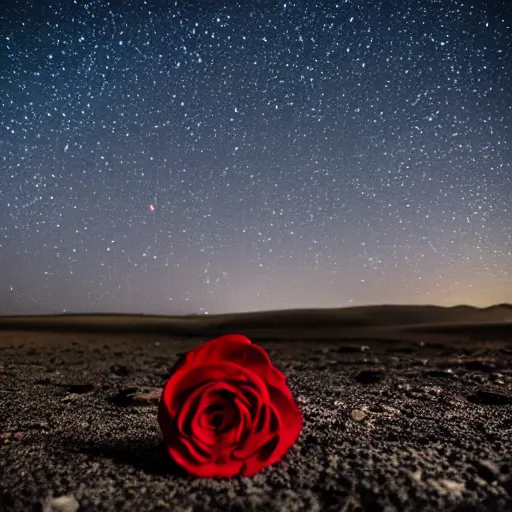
pixel 217 420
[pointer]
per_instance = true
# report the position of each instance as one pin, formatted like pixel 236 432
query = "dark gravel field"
pixel 387 426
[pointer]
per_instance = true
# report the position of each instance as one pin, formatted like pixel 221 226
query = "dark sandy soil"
pixel 414 426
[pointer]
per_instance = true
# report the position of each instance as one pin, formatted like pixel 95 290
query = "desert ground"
pixel 405 408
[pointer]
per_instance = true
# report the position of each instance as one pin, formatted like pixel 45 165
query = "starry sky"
pixel 179 157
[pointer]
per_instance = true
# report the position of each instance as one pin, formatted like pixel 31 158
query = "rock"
pixel 151 397
pixel 134 397
pixel 61 504
pixel 43 382
pixel 80 388
pixel 416 475
pixel 452 486
pixel 440 373
pixel 120 370
pixel 507 485
pixel 370 376
pixel 348 349
pixel 488 397
pixel 480 366
pixel 124 397
pixel 445 486
pixel 419 362
pixel 478 482
pixel 478 378
pixel 488 470
pixel 358 415
pixel 402 350
pixel 38 425
pixel 70 397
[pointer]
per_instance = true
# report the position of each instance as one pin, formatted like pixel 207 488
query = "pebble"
pixel 480 366
pixel 440 373
pixel 120 370
pixel 70 397
pixel 61 504
pixel 370 376
pixel 358 415
pixel 78 389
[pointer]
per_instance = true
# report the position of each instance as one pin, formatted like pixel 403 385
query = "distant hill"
pixel 386 321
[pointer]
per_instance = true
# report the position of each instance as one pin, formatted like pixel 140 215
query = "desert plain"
pixel 405 408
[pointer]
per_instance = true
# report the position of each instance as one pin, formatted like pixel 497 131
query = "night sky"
pixel 191 157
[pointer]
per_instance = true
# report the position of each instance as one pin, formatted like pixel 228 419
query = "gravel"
pixel 387 427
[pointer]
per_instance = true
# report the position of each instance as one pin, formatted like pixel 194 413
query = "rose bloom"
pixel 226 410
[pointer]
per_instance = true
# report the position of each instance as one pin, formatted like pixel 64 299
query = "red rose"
pixel 226 410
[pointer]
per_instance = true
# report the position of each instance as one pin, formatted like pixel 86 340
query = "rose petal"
pixel 240 350
pixel 227 469
pixel 249 356
pixel 246 421
pixel 204 352
pixel 189 409
pixel 266 425
pixel 181 384
pixel 278 379
pixel 194 451
pixel 283 402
